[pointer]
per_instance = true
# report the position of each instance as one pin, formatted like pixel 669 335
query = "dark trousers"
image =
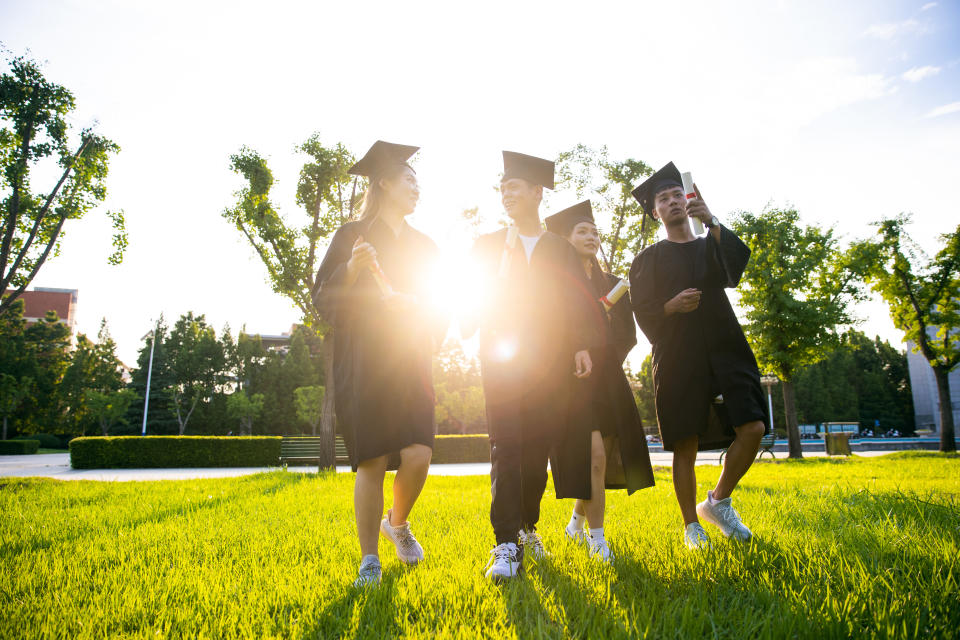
pixel 519 448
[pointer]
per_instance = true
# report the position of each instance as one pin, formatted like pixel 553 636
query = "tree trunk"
pixel 790 409
pixel 4 427
pixel 328 419
pixel 947 439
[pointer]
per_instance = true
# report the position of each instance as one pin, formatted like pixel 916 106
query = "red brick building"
pixel 36 303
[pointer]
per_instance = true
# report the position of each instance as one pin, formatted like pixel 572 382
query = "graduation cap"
pixel 668 176
pixel 563 222
pixel 532 169
pixel 380 157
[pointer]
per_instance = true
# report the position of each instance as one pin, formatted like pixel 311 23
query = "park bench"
pixel 306 449
pixel 766 446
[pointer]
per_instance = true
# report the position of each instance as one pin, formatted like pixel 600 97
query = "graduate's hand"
pixel 684 302
pixel 697 208
pixel 362 257
pixel 397 301
pixel 584 365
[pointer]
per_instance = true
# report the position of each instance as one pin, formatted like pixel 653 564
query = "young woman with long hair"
pixel 605 421
pixel 372 287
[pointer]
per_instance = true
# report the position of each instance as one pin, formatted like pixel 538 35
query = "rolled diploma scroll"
pixel 508 247
pixel 381 279
pixel 615 294
pixel 691 193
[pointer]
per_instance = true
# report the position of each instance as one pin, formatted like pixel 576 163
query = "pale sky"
pixel 848 111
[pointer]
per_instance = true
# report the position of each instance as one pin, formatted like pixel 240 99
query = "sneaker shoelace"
pixel 368 573
pixel 532 540
pixel 405 537
pixel 501 552
pixel 699 535
pixel 728 514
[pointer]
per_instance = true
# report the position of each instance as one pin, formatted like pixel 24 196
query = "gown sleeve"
pixel 623 330
pixel 647 305
pixel 333 297
pixel 726 259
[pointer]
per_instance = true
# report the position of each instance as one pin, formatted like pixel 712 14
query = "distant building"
pixel 926 400
pixel 280 343
pixel 40 300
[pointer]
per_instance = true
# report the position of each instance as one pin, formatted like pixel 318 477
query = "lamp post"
pixel 768 382
pixel 146 399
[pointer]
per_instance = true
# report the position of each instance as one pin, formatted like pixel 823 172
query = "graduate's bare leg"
pixel 740 455
pixel 368 502
pixel 411 476
pixel 594 507
pixel 685 477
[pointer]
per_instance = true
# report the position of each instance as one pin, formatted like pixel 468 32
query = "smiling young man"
pixel 705 376
pixel 534 341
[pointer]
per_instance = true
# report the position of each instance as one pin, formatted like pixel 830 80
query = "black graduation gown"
pixel 382 359
pixel 700 354
pixel 610 404
pixel 539 315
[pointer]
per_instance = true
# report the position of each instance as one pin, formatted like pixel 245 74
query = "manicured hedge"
pixel 46 440
pixel 18 447
pixel 138 452
pixel 458 449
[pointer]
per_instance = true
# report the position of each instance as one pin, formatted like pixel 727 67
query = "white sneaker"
pixel 695 537
pixel 600 550
pixel 531 541
pixel 369 572
pixel 722 514
pixel 408 549
pixel 577 536
pixel 505 562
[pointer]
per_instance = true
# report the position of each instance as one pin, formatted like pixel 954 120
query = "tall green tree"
pixel 644 394
pixel 93 366
pixel 14 365
pixel 608 183
pixel 291 251
pixel 197 365
pixel 35 133
pixel 48 351
pixel 861 380
pixel 923 295
pixel 798 290
pixel 13 391
pixel 109 407
pixel 245 409
pixel 309 403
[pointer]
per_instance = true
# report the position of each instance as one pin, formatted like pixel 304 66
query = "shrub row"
pixel 18 447
pixel 460 449
pixel 136 452
pixel 46 440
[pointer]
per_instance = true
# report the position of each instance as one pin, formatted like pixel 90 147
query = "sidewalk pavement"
pixel 57 465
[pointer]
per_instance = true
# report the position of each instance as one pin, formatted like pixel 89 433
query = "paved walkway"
pixel 57 465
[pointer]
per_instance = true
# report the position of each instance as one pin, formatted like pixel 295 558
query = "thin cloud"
pixel 889 30
pixel 929 5
pixel 816 86
pixel 942 110
pixel 919 73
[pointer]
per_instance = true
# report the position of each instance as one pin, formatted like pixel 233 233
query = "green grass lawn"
pixel 858 547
